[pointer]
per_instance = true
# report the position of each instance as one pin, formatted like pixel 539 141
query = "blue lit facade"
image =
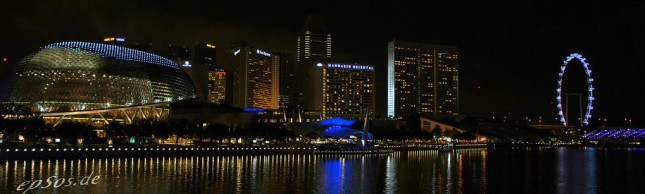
pixel 349 66
pixel 248 109
pixel 115 52
pixel 79 76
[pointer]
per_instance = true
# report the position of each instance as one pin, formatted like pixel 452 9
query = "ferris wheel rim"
pixel 590 88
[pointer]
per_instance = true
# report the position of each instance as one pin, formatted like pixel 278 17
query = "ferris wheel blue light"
pixel 590 88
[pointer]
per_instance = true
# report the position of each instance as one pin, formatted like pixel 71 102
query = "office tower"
pixel 216 86
pixel 256 79
pixel 314 46
pixel 205 53
pixel 347 90
pixel 287 78
pixel 422 78
pixel 201 67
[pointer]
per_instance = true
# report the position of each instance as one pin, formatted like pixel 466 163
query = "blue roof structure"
pixel 341 132
pixel 333 127
pixel 121 53
pixel 337 121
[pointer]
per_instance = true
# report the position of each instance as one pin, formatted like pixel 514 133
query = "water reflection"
pixel 519 170
pixel 577 171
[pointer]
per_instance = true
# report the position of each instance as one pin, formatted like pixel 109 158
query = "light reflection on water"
pixel 519 170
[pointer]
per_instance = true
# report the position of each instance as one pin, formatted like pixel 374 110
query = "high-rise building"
pixel 256 79
pixel 287 78
pixel 347 90
pixel 205 53
pixel 422 79
pixel 314 46
pixel 216 86
pixel 202 65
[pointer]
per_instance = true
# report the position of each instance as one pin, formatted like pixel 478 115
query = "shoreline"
pixel 115 152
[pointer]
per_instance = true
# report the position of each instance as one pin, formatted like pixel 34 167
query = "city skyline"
pixel 132 96
pixel 508 63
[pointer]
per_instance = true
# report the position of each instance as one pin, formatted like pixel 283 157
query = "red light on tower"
pixel 5 59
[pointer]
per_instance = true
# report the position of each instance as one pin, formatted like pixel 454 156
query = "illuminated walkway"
pixel 127 114
pixel 615 134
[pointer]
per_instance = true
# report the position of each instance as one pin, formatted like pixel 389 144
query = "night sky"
pixel 510 52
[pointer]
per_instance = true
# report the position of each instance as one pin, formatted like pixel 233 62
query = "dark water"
pixel 519 170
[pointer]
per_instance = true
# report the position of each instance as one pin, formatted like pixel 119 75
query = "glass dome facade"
pixel 78 76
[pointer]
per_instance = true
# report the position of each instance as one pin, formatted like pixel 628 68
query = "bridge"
pixel 125 114
pixel 615 134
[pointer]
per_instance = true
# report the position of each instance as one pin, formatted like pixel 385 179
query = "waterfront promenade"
pixel 90 152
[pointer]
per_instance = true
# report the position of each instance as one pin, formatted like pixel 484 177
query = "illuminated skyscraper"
pixel 216 86
pixel 314 46
pixel 422 78
pixel 314 41
pixel 347 90
pixel 256 82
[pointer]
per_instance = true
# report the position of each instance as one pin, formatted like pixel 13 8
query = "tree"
pixel 23 121
pixel 33 128
pixel 132 130
pixel 450 133
pixel 181 128
pixel 74 130
pixel 426 135
pixel 436 132
pixel 465 136
pixel 114 129
pixel 161 129
pixel 217 131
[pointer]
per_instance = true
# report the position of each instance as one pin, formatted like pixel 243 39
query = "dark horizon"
pixel 510 53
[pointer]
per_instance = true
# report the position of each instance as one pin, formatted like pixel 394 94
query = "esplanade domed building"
pixel 96 82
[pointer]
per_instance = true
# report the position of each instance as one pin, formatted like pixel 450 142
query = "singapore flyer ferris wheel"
pixel 584 120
